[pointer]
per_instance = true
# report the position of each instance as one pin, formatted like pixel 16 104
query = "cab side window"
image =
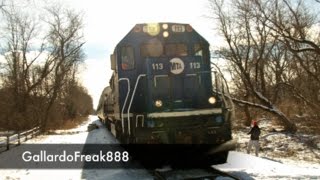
pixel 127 58
pixel 201 51
pixel 198 50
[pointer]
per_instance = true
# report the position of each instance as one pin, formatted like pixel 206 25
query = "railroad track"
pixel 192 174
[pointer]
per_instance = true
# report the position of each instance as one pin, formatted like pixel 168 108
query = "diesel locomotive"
pixel 164 90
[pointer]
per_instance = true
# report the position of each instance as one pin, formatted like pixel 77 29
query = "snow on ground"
pixel 296 149
pixel 46 139
pixel 77 135
pixel 239 164
pixel 247 167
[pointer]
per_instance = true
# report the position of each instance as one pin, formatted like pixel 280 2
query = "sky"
pixel 107 22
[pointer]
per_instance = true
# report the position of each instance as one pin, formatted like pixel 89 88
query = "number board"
pixel 178 28
pixel 175 66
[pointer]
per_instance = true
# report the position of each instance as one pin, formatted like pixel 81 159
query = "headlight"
pixel 212 100
pixel 165 34
pixel 158 103
pixel 152 29
pixel 165 26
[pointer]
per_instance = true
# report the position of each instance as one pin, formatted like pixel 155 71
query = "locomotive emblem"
pixel 177 66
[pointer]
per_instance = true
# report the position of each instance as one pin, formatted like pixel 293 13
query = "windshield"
pixel 156 49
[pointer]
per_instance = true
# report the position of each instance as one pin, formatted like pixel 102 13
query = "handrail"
pixel 132 96
pixel 222 89
pixel 137 119
pixel 125 102
pixel 158 76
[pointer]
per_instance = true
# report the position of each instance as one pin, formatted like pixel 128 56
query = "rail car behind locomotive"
pixel 163 90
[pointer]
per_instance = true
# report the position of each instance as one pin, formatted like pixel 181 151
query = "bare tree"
pixel 297 26
pixel 21 30
pixel 37 77
pixel 250 48
pixel 2 6
pixel 66 41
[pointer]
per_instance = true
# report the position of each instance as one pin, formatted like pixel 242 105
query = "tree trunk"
pixel 289 125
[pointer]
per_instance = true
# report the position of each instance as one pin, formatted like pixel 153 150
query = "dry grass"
pixel 308 124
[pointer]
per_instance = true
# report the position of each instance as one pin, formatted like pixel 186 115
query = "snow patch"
pixel 263 167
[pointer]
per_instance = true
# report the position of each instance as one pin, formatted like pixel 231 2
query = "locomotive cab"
pixel 164 90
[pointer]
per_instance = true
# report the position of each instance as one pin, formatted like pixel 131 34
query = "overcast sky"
pixel 107 22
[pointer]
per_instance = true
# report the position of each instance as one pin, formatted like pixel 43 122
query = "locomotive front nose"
pixel 176 83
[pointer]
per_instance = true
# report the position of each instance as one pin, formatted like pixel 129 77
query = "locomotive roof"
pixel 139 33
